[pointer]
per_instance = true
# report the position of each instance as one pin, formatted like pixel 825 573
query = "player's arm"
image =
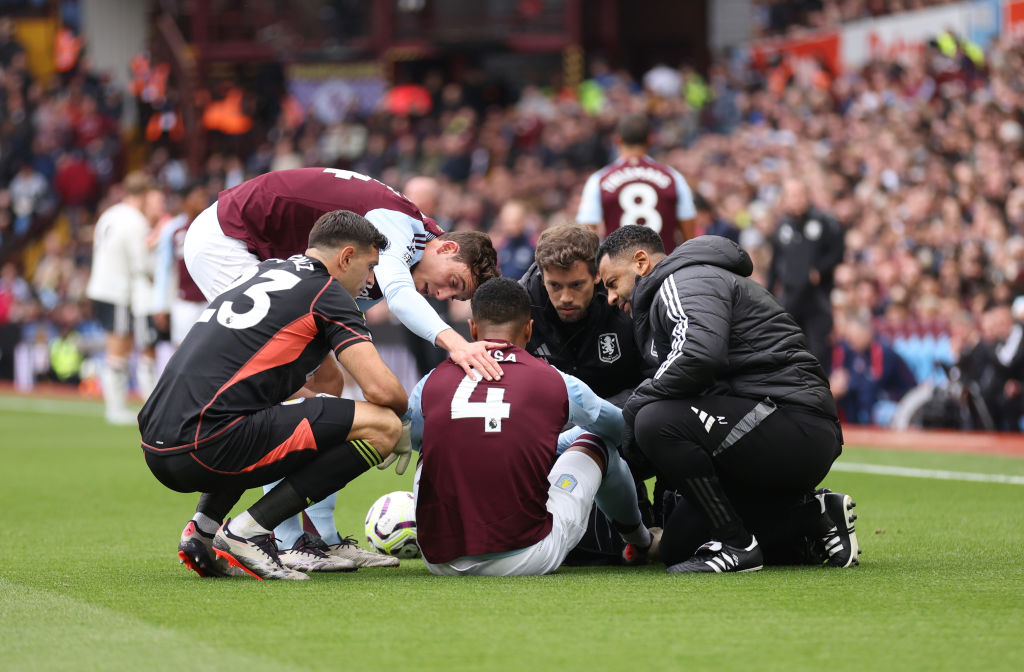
pixel 412 310
pixel 345 329
pixel 686 209
pixel 698 322
pixel 591 412
pixel 379 384
pixel 688 227
pixel 591 212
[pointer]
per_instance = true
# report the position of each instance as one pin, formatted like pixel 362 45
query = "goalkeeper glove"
pixel 402 452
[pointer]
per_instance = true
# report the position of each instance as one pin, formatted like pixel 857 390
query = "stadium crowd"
pixel 921 162
pixel 774 17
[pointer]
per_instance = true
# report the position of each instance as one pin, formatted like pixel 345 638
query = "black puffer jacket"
pixel 717 332
pixel 599 349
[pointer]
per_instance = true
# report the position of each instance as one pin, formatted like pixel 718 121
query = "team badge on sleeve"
pixel 608 349
pixel 566 482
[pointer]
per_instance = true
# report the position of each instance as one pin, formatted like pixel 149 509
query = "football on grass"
pixel 391 525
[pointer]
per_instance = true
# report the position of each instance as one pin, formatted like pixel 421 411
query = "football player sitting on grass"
pixel 499 491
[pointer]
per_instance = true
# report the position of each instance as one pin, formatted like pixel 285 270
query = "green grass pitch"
pixel 89 580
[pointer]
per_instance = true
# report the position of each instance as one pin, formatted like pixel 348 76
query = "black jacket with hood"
pixel 717 332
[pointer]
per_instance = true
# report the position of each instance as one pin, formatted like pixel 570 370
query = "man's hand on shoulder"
pixel 470 356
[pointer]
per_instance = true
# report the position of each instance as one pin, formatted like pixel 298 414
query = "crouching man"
pixel 219 421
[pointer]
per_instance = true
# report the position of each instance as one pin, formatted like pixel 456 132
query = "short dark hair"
pixel 336 228
pixel 477 252
pixel 634 129
pixel 631 238
pixel 501 301
pixel 563 245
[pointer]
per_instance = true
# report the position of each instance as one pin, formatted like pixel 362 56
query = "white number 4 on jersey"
pixel 493 410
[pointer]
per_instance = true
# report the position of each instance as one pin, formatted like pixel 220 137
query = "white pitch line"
pixel 910 472
pixel 51 406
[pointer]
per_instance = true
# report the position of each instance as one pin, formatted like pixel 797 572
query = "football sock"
pixel 617 495
pixel 321 515
pixel 288 530
pixel 214 507
pixel 333 469
pixel 272 508
pixel 638 535
pixel 205 523
pixel 245 526
pixel 115 385
pixel 145 374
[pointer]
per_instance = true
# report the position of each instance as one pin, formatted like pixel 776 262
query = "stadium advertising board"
pixel 823 47
pixel 334 90
pixel 1013 18
pixel 899 36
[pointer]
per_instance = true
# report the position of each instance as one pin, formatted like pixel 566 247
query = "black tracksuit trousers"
pixel 741 466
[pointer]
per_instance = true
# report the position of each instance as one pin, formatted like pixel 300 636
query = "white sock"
pixel 617 497
pixel 245 526
pixel 289 531
pixel 321 515
pixel 115 386
pixel 205 523
pixel 145 374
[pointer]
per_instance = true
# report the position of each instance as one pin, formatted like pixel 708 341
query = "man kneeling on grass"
pixel 219 423
pixel 498 491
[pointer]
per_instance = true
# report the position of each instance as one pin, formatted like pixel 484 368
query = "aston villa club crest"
pixel 608 349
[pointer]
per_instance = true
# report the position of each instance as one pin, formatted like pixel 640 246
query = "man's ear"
pixel 473 331
pixel 528 331
pixel 448 247
pixel 345 255
pixel 641 261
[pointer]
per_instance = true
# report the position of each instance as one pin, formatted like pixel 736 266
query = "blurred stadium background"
pixel 903 117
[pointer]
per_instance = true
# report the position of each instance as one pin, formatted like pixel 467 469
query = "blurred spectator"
pixel 54 271
pixel 28 191
pixel 66 347
pixel 806 248
pixel 996 365
pixel 514 243
pixel 709 223
pixel 14 291
pixel 868 377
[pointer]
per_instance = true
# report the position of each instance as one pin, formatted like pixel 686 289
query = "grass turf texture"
pixel 90 580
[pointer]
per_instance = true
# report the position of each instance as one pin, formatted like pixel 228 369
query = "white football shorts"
pixel 214 259
pixel 574 480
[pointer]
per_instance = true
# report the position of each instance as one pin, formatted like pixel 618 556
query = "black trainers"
pixel 838 547
pixel 714 556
